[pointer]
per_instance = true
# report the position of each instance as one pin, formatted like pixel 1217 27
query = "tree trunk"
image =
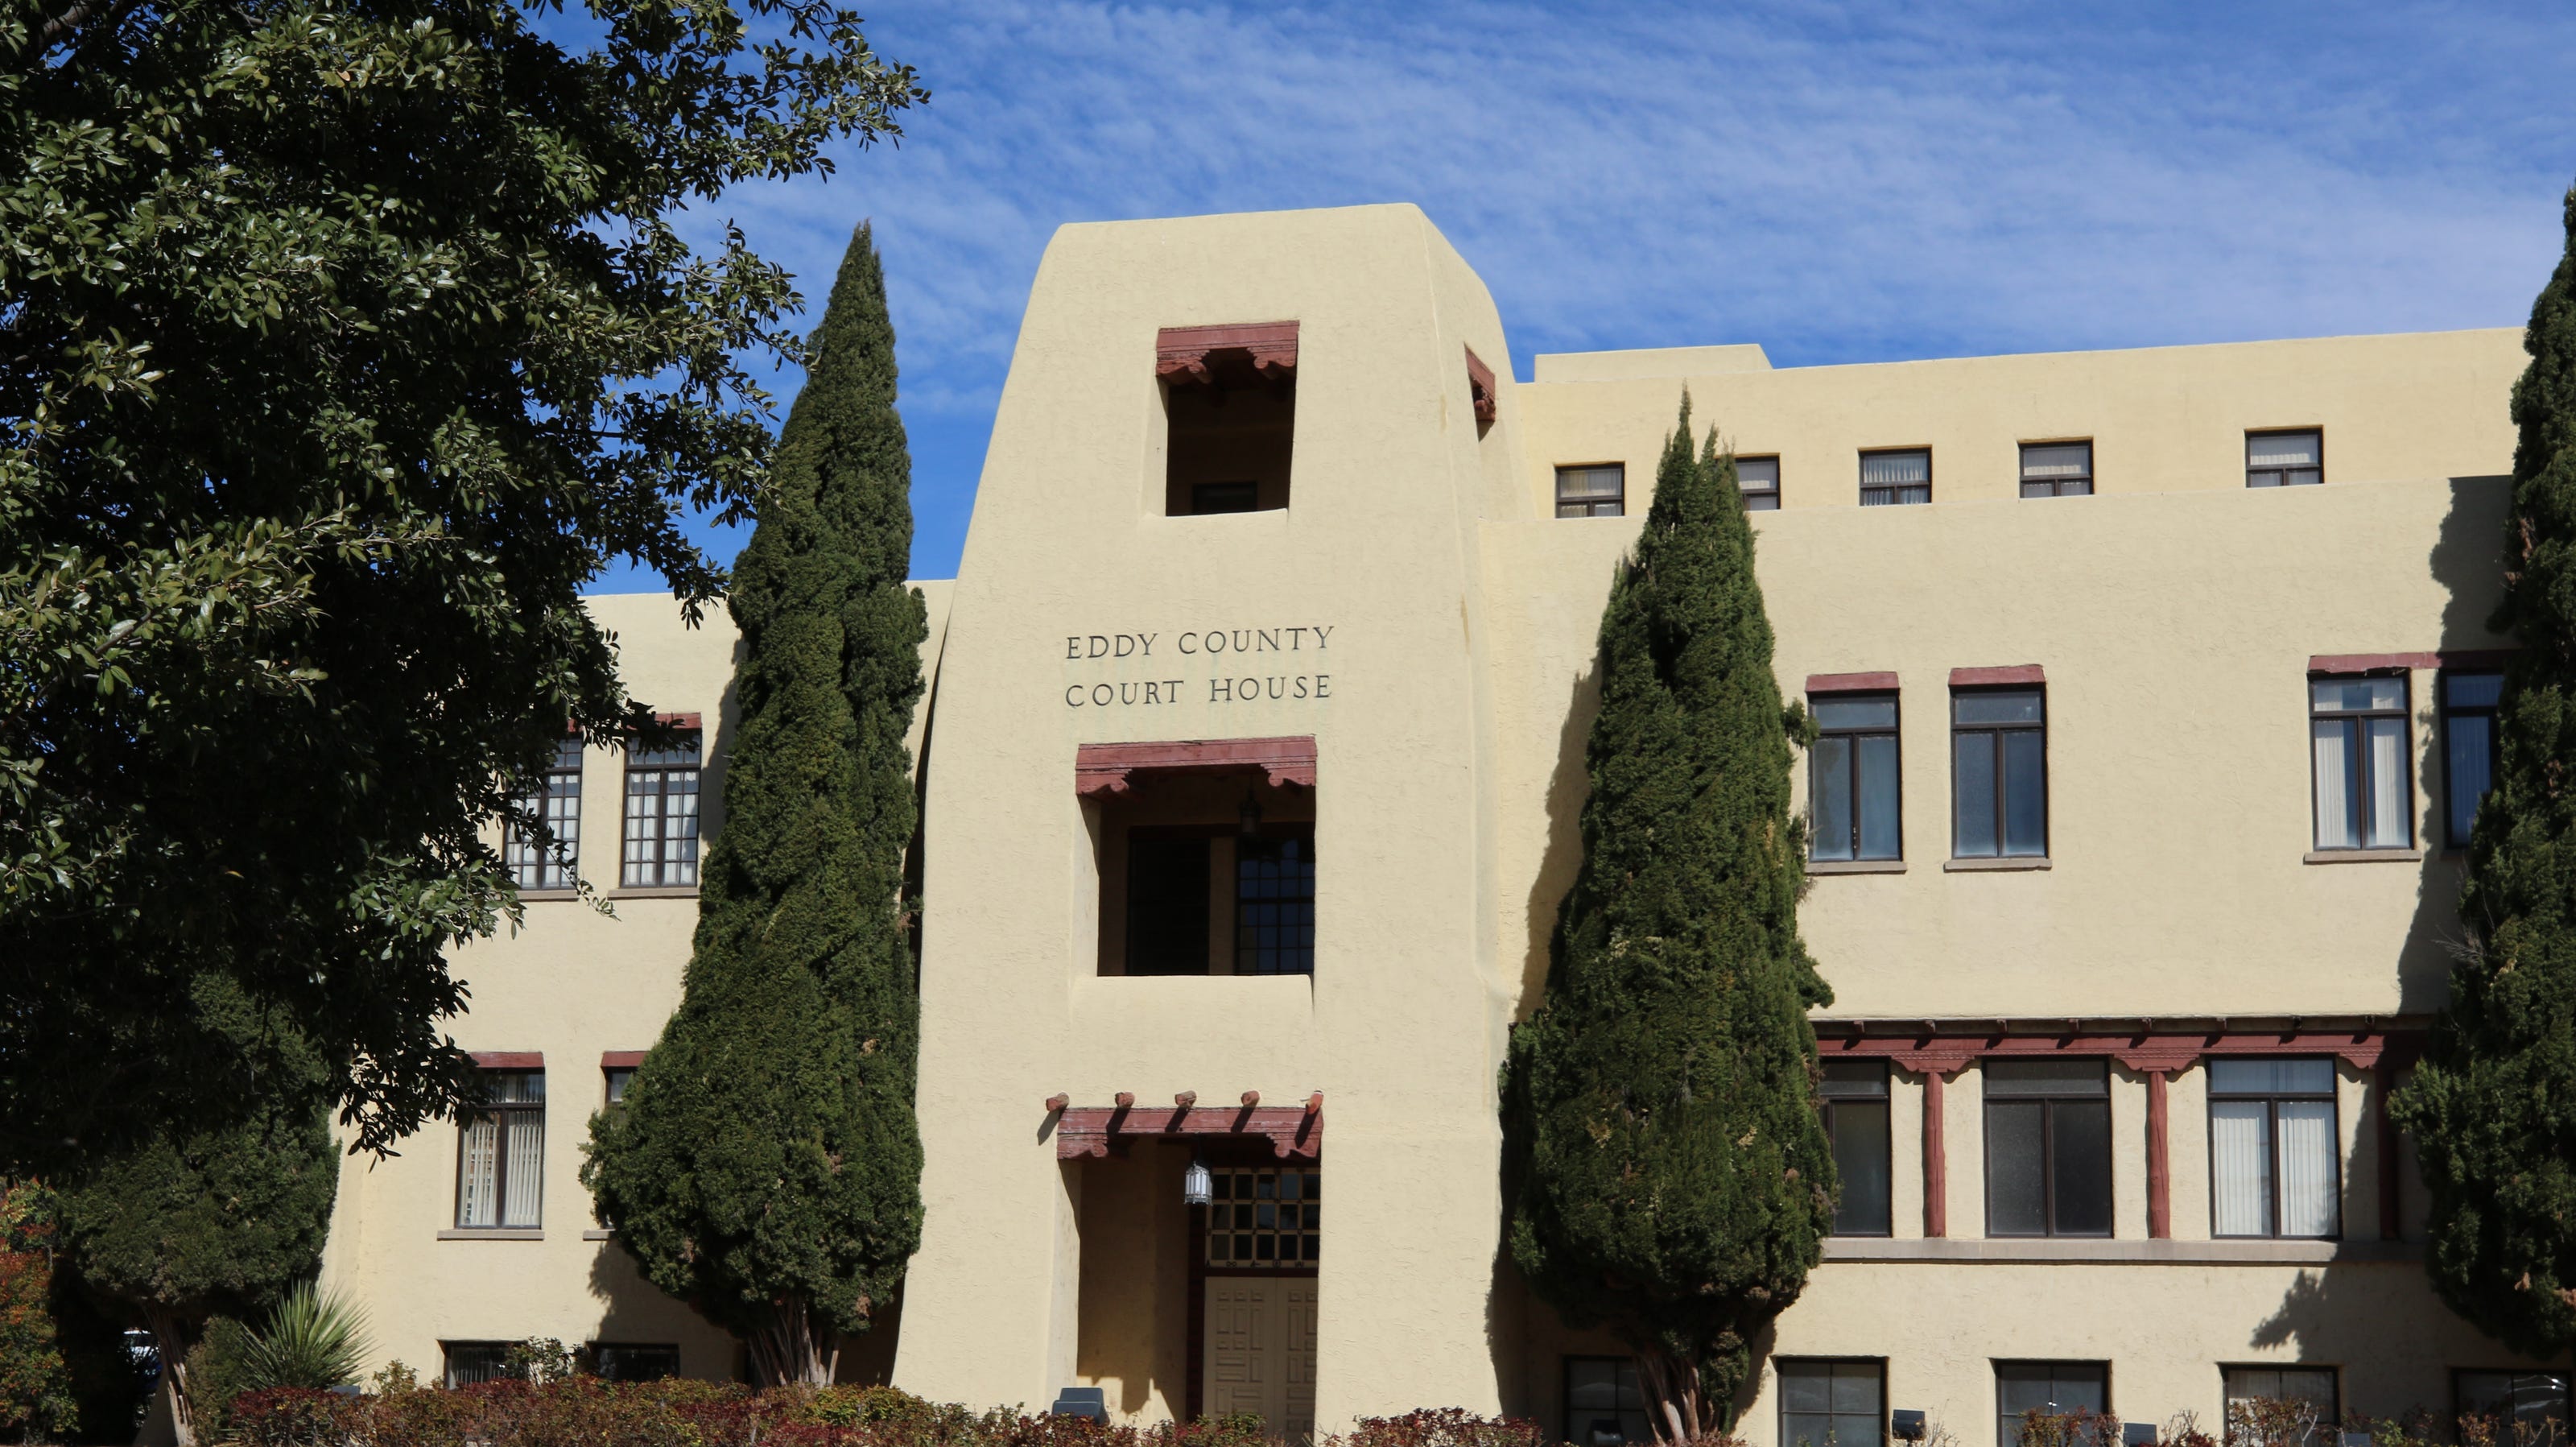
pixel 787 1350
pixel 1675 1407
pixel 171 1339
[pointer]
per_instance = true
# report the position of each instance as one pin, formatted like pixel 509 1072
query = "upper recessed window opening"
pixel 1895 478
pixel 1230 414
pixel 2284 459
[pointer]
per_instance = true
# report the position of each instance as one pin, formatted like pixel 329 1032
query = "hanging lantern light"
pixel 1249 818
pixel 1195 1186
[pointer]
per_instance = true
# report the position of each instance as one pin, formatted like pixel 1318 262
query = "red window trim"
pixel 620 1059
pixel 2332 664
pixel 1480 386
pixel 679 720
pixel 509 1059
pixel 1181 353
pixel 1851 683
pixel 1110 768
pixel 2016 673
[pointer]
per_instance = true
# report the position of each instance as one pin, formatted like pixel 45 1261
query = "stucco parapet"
pixel 492 1233
pixel 1855 866
pixel 2160 1253
pixel 1986 866
pixel 2362 856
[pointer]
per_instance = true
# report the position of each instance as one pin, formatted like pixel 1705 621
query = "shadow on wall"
pixel 1568 785
pixel 2467 560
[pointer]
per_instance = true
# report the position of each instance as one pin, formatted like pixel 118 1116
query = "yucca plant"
pixel 313 1339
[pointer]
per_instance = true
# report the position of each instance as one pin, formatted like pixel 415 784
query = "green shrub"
pixel 1439 1427
pixel 218 1372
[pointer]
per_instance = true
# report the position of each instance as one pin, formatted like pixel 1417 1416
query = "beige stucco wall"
pixel 1447 630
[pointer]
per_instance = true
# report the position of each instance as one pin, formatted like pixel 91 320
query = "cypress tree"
pixel 766 1164
pixel 1667 1172
pixel 2493 1106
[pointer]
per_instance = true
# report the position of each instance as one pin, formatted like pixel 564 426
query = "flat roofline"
pixel 1669 363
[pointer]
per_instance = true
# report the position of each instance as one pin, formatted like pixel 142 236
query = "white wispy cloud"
pixel 1839 182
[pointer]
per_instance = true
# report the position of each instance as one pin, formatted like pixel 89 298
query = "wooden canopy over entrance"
pixel 1294 1131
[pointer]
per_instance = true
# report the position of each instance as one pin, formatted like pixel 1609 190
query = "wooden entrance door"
pixel 1260 1352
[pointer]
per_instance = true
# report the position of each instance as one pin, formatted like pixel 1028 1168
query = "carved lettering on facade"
pixel 1121 650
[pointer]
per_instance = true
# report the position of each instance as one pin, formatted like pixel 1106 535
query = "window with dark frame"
pixel 2048 1147
pixel 1759 480
pixel 2306 1386
pixel 2363 787
pixel 1856 801
pixel 1605 1403
pixel 1598 490
pixel 2052 1387
pixel 1999 773
pixel 2517 1402
pixel 1854 1097
pixel 466 1363
pixel 2057 469
pixel 662 815
pixel 1274 905
pixel 2285 459
pixel 501 1153
pixel 1833 1403
pixel 634 1362
pixel 1264 1218
pixel 552 861
pixel 2471 749
pixel 1896 477
pixel 618 1078
pixel 2275 1158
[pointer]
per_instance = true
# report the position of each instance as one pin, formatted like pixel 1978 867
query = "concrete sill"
pixel 1980 866
pixel 593 1233
pixel 541 896
pixel 2362 856
pixel 657 891
pixel 2142 1253
pixel 493 1233
pixel 1855 866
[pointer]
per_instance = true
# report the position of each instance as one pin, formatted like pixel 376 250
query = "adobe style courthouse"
pixel 2155 694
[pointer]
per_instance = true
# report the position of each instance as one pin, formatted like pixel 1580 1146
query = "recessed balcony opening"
pixel 1207 874
pixel 1230 417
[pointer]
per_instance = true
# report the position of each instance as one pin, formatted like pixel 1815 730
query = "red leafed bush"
pixel 1441 1427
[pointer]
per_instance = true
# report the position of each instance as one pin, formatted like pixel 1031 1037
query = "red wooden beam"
pixel 1107 768
pixel 1293 1131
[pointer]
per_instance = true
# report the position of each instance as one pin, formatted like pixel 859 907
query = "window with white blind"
pixel 1597 491
pixel 1759 479
pixel 2275 1168
pixel 2056 469
pixel 549 859
pixel 501 1153
pixel 662 815
pixel 1891 478
pixel 2284 459
pixel 2357 738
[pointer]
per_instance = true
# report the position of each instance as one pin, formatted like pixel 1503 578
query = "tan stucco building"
pixel 1251 763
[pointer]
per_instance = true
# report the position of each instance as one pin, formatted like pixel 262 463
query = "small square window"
pixel 1759 477
pixel 1599 490
pixel 2284 459
pixel 1833 1404
pixel 619 1077
pixel 2057 469
pixel 1895 478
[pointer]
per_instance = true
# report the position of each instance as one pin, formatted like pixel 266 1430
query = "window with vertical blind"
pixel 2357 739
pixel 1894 478
pixel 1759 479
pixel 2275 1165
pixel 2284 459
pixel 2469 749
pixel 1853 794
pixel 550 859
pixel 662 815
pixel 1853 1095
pixel 2056 469
pixel 501 1152
pixel 1598 491
pixel 1833 1403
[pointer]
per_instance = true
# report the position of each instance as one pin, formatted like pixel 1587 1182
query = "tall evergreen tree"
pixel 1668 1175
pixel 766 1165
pixel 2493 1106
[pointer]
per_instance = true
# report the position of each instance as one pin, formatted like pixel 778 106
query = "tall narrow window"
pixel 1605 1404
pixel 2048 1148
pixel 2469 748
pixel 1274 906
pixel 1999 775
pixel 501 1152
pixel 1598 491
pixel 2357 732
pixel 2295 1386
pixel 1759 477
pixel 2056 469
pixel 551 860
pixel 1888 478
pixel 2051 1387
pixel 2284 459
pixel 1854 1094
pixel 2274 1163
pixel 618 1077
pixel 1833 1404
pixel 662 815
pixel 1852 778
pixel 2519 1406
pixel 1167 903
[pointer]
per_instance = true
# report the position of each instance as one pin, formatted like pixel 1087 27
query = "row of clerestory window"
pixel 1899 476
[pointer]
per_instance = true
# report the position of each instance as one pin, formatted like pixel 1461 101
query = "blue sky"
pixel 1838 182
